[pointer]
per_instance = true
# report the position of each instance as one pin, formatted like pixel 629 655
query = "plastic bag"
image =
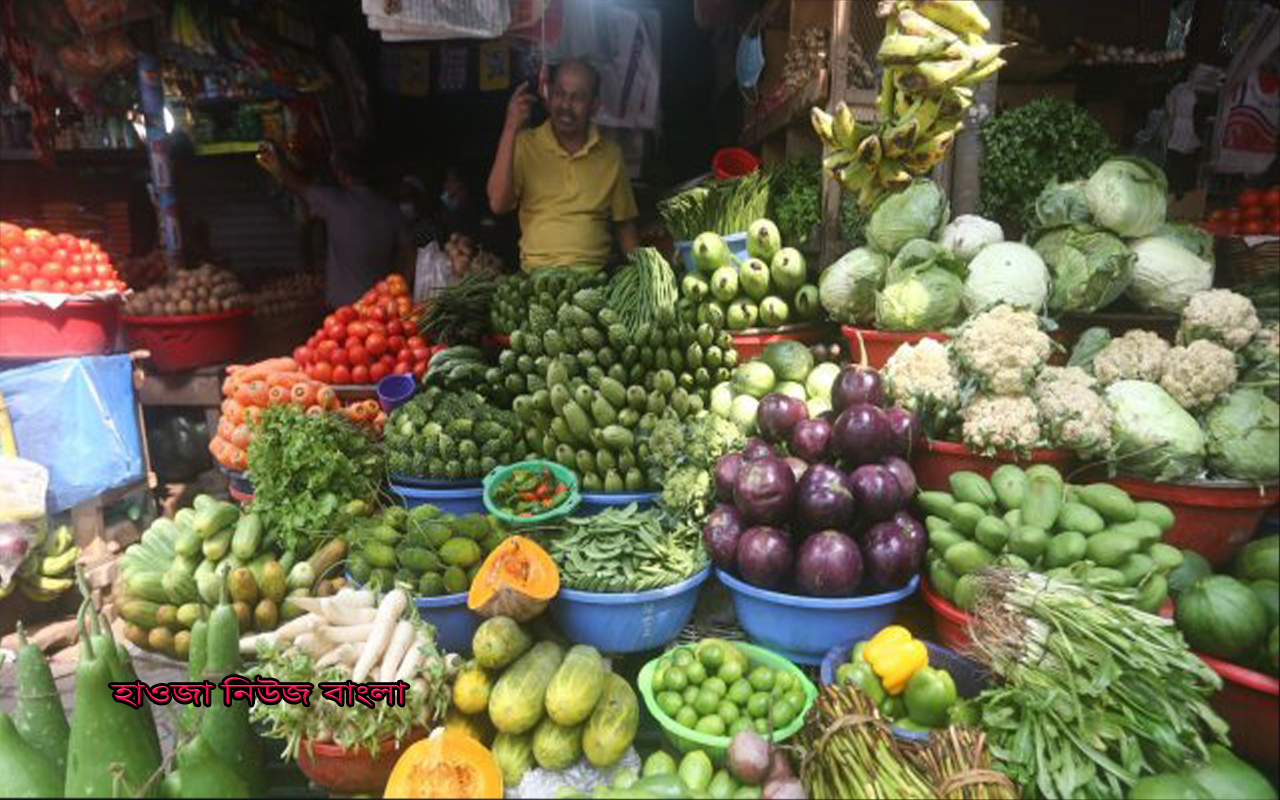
pixel 581 777
pixel 410 20
pixel 77 418
pixel 433 271
pixel 23 524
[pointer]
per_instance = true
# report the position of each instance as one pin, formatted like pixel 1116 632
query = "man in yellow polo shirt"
pixel 568 183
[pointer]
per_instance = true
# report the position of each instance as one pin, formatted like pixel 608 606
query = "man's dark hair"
pixel 354 161
pixel 584 65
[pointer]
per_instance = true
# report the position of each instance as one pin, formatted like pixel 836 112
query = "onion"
pixel 749 757
pixel 788 789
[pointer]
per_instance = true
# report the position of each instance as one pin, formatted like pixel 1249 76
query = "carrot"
pixel 225 428
pixel 256 392
pixel 384 624
pixel 241 436
pixel 277 396
pixel 326 397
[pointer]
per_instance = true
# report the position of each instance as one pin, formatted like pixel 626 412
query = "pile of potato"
pixel 289 295
pixel 204 290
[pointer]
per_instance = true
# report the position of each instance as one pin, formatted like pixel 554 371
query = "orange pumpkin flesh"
pixel 517 580
pixel 447 764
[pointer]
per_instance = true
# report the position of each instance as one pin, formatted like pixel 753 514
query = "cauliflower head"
pixel 993 424
pixel 1198 374
pixel 1220 316
pixel 1003 349
pixel 920 378
pixel 1072 413
pixel 1136 356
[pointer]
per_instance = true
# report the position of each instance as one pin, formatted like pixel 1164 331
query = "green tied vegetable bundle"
pixel 459 314
pixel 450 435
pixel 720 206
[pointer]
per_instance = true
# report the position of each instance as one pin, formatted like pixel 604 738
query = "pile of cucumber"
pixel 1031 519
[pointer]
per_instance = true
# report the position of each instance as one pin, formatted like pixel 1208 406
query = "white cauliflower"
pixel 921 379
pixel 993 424
pixel 1136 356
pixel 1072 413
pixel 1221 316
pixel 1199 373
pixel 1003 349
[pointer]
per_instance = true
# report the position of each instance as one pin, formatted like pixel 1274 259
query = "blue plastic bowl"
pixel 455 624
pixel 737 243
pixel 457 501
pixel 395 390
pixel 970 678
pixel 804 628
pixel 593 504
pixel 433 483
pixel 627 623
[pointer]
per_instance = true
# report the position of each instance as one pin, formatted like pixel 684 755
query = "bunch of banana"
pixel 49 569
pixel 932 56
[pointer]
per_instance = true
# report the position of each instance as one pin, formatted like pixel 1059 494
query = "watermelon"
pixel 1273 650
pixel 1227 776
pixel 1259 560
pixel 1193 568
pixel 1222 617
pixel 1269 593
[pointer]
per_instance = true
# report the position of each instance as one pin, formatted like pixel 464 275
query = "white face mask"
pixel 408 210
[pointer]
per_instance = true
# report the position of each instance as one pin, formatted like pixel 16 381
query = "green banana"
pixel 870 151
pixel 926 156
pixel 838 160
pixel 914 24
pixel 933 76
pixel 900 138
pixel 54 566
pixel 955 101
pixel 904 49
pixel 957 16
pixel 842 128
pixel 981 74
pixel 823 125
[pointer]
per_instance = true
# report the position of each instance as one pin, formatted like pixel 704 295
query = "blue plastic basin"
pixel 458 501
pixel 804 628
pixel 627 623
pixel 970 678
pixel 593 504
pixel 455 624
pixel 737 243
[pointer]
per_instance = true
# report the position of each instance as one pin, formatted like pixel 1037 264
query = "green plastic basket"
pixel 717 747
pixel 563 474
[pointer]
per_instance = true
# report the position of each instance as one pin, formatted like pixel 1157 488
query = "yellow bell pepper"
pixel 895 658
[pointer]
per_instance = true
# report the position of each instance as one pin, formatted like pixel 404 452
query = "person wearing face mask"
pixel 415 211
pixel 568 183
pixel 457 212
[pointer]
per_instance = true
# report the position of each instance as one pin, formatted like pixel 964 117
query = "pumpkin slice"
pixel 517 580
pixel 447 764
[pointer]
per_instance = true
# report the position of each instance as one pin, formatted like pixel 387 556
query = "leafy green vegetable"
pixel 795 199
pixel 1244 436
pixel 686 453
pixel 1091 267
pixel 917 212
pixel 847 288
pixel 719 206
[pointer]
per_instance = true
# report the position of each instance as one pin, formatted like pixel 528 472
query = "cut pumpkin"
pixel 517 580
pixel 446 764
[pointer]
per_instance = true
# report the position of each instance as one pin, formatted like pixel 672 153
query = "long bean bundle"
pixel 720 206
pixel 958 763
pixel 1096 694
pixel 644 292
pixel 459 314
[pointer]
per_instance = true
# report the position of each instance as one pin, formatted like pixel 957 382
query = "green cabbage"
pixel 1062 204
pixel 965 235
pixel 919 253
pixel 917 212
pixel 1127 195
pixel 1166 274
pixel 847 288
pixel 1244 436
pixel 1155 437
pixel 1193 238
pixel 1006 273
pixel 922 298
pixel 1091 267
pixel 1089 343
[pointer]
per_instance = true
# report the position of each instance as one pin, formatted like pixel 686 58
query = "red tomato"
pixel 396 343
pixel 421 354
pixel 352 341
pixel 339 357
pixel 356 354
pixel 341 375
pixel 297 354
pixel 326 347
pixel 59 254
pixel 377 313
pixel 377 344
pixel 402 368
pixel 378 371
pixel 346 314
pixel 94 284
pixel 14 281
pixel 335 329
pixel 1254 227
pixel 323 371
pixel 1250 197
pixel 33 235
pixel 28 270
pixel 360 374
pixel 358 329
pixel 76 287
pixel 396 284
pixel 59 286
pixel 37 253
pixel 387 360
pixel 304 355
pixel 10 234
pixel 416 341
pixel 419 370
pixel 74 272
pixel 395 328
pixel 52 270
pixel 38 284
pixel 1272 198
pixel 1254 212
pixel 17 253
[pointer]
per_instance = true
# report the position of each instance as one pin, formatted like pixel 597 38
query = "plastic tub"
pixel 595 502
pixel 733 162
pixel 75 328
pixel 395 390
pixel 630 622
pixel 1250 703
pixel 434 483
pixel 737 243
pixel 876 346
pixel 458 501
pixel 950 622
pixel 455 624
pixel 934 463
pixel 351 772
pixel 562 473
pixel 684 739
pixel 187 342
pixel 804 628
pixel 969 677
pixel 751 344
pixel 1214 519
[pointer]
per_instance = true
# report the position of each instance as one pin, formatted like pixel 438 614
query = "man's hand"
pixel 519 107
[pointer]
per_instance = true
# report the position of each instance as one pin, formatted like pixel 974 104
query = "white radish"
pixel 353 598
pixel 312 645
pixel 393 605
pixel 340 609
pixel 345 654
pixel 409 665
pixel 401 639
pixel 339 634
pixel 294 628
pixel 249 644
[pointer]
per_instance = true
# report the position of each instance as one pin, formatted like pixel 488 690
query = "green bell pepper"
pixel 862 677
pixel 930 694
pixel 893 707
pixel 855 656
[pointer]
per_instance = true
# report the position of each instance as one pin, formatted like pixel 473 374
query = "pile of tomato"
pixel 36 260
pixel 1256 213
pixel 365 342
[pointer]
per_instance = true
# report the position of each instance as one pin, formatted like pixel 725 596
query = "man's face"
pixel 572 102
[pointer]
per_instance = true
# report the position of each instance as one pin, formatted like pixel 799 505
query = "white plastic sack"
pixel 581 777
pixel 23 524
pixel 433 271
pixel 409 20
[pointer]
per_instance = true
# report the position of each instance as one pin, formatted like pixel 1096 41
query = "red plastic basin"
pixel 934 463
pixel 1250 703
pixel 751 345
pixel 950 622
pixel 75 328
pixel 349 772
pixel 733 162
pixel 187 342
pixel 875 347
pixel 1214 520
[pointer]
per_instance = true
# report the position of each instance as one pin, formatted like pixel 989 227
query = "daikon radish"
pixel 401 639
pixel 339 634
pixel 294 628
pixel 392 607
pixel 345 654
pixel 409 664
pixel 312 645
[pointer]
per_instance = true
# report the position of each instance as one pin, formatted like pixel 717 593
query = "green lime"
pixel 758 705
pixel 730 671
pixel 783 681
pixel 781 713
pixel 739 692
pixel 796 697
pixel 682 658
pixel 728 712
pixel 670 703
pixel 711 655
pixel 706 702
pixel 659 682
pixel 762 726
pixel 739 725
pixel 761 679
pixel 687 717
pixel 711 725
pixel 695 672
pixel 689 694
pixel 663 663
pixel 843 674
pixel 715 685
pixel 675 679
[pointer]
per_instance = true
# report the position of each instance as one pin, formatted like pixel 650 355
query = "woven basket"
pixel 1239 263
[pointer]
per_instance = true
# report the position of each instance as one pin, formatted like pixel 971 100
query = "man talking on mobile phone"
pixel 569 184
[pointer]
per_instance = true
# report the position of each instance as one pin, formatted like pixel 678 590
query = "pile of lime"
pixel 713 688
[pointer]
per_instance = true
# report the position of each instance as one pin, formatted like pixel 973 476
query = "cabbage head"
pixel 1091 267
pixel 1089 343
pixel 1127 196
pixel 1062 204
pixel 1155 437
pixel 917 212
pixel 1166 274
pixel 1244 436
pixel 965 235
pixel 848 287
pixel 1008 273
pixel 924 298
pixel 1193 238
pixel 919 253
